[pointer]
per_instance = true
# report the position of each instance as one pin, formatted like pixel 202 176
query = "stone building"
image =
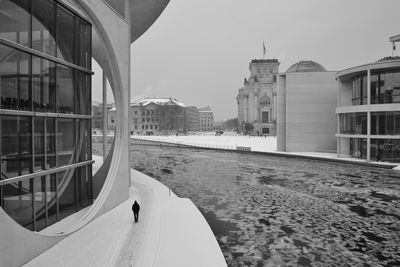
pixel 192 119
pixel 157 115
pixel 206 119
pixel 257 98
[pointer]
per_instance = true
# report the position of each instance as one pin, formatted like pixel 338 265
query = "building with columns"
pixel 257 98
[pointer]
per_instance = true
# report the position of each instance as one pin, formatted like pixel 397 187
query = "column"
pixel 369 115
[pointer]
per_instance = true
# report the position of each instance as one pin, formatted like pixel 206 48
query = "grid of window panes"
pixel 353 123
pixel 385 88
pixel 385 123
pixel 358 148
pixel 385 149
pixel 45 90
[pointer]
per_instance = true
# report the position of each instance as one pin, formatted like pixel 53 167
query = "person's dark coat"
pixel 135 207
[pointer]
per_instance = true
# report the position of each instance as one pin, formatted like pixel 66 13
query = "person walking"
pixel 135 209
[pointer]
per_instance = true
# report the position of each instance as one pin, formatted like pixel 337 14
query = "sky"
pixel 198 51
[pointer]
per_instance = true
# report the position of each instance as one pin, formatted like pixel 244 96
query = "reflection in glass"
pixel 65 89
pixel 43 85
pixel 65 141
pixel 65 35
pixel 44 26
pixel 15 21
pixel 38 143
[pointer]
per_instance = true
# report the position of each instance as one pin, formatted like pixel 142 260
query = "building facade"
pixel 158 116
pixel 206 118
pixel 46 48
pixel 45 113
pixel 257 98
pixel 368 112
pixel 306 103
pixel 192 119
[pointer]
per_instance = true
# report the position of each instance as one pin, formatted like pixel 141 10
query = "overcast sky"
pixel 198 51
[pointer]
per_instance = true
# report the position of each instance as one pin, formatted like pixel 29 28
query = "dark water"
pixel 275 211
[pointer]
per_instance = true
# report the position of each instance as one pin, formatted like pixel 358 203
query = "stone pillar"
pixel 369 116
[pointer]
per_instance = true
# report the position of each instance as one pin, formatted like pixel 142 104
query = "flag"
pixel 264 49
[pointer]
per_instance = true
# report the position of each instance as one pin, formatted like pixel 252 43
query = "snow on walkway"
pixel 171 232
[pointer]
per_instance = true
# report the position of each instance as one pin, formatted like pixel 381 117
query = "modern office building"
pixel 257 98
pixel 46 48
pixel 307 100
pixel 368 112
pixel 206 117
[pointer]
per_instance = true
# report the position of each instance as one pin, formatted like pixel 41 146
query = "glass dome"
pixel 306 66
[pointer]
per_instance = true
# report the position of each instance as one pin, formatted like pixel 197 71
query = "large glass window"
pixel 358 148
pixel 385 87
pixel 65 35
pixel 44 26
pixel 353 123
pixel 385 149
pixel 14 75
pixel 385 123
pixel 360 89
pixel 32 142
pixel 65 89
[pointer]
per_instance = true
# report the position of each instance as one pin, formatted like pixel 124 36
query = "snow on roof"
pixel 158 101
pixel 205 109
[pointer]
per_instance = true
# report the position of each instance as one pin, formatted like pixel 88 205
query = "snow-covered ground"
pixel 255 143
pixel 171 232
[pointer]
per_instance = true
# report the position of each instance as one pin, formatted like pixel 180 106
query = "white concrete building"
pixel 306 109
pixel 48 120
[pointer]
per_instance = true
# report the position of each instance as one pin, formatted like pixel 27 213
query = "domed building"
pixel 306 103
pixel 306 66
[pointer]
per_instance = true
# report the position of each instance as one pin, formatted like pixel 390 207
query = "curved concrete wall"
pixel 111 49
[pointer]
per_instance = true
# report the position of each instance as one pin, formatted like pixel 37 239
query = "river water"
pixel 277 211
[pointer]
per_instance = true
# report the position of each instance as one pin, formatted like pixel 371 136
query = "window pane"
pixel 52 202
pixel 50 143
pixel 43 85
pixel 44 26
pixel 83 40
pixel 66 193
pixel 65 92
pixel 39 193
pixel 38 143
pixel 18 202
pixel 14 75
pixel 65 35
pixel 15 21
pixel 65 141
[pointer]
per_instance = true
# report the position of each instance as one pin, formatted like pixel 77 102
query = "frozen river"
pixel 276 211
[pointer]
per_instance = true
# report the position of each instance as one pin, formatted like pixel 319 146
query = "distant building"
pixel 257 98
pixel 368 111
pixel 158 115
pixel 97 113
pixel 306 103
pixel 206 119
pixel 192 119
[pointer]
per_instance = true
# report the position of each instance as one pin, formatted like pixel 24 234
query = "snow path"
pixel 171 232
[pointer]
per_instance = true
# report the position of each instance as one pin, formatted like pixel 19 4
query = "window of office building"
pixel 353 123
pixel 358 148
pixel 385 149
pixel 385 123
pixel 36 91
pixel 385 87
pixel 360 90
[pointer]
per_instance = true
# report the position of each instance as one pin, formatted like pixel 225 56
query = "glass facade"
pixel 358 148
pixel 353 123
pixel 385 149
pixel 385 88
pixel 45 122
pixel 385 123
